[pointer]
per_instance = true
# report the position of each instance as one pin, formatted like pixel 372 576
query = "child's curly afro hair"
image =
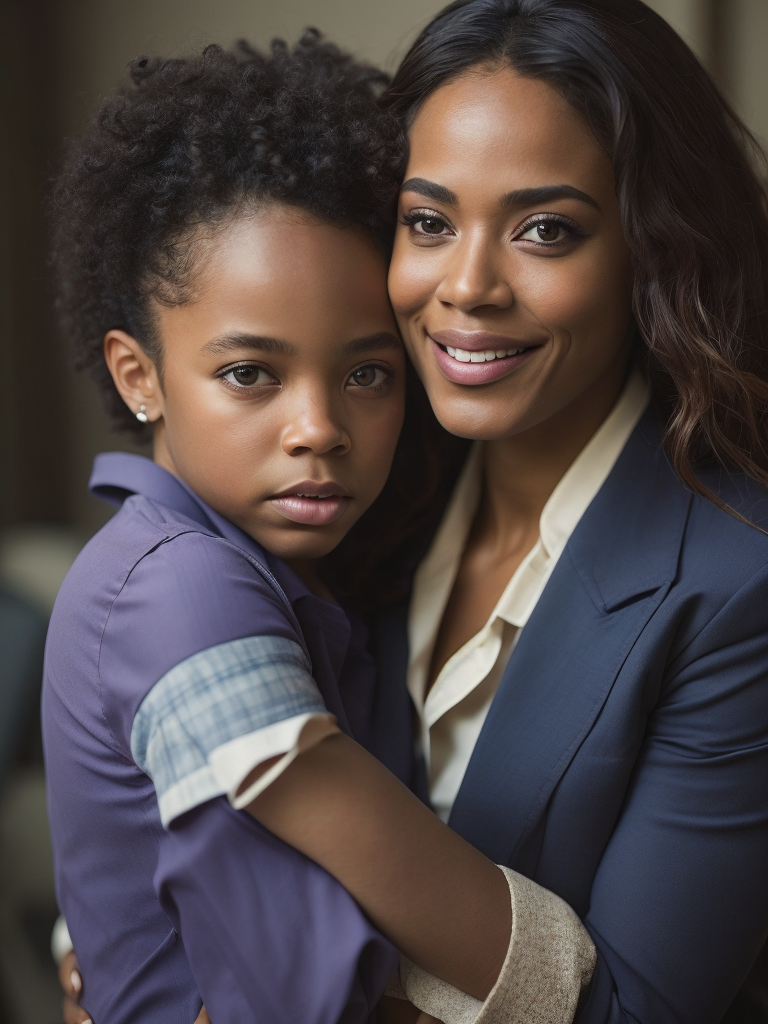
pixel 188 142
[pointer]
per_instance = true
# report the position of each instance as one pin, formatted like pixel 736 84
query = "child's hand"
pixel 70 980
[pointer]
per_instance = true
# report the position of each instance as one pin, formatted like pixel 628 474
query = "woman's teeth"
pixel 463 356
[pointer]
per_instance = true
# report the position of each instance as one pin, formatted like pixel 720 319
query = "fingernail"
pixel 77 983
pixel 87 1021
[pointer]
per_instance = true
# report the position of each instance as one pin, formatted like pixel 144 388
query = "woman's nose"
pixel 475 276
pixel 315 428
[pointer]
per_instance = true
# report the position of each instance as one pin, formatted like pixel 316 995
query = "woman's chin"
pixel 465 417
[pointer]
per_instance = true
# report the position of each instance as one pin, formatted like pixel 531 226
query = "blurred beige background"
pixel 58 57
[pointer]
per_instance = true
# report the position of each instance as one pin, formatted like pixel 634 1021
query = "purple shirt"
pixel 212 907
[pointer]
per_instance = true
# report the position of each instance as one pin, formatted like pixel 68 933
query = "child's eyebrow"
pixel 228 343
pixel 233 342
pixel 371 342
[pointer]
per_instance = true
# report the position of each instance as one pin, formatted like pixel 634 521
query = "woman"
pixel 579 212
pixel 587 638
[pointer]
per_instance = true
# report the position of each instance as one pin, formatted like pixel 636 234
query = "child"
pixel 223 272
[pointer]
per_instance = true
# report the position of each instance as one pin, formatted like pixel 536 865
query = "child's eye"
pixel 369 377
pixel 246 375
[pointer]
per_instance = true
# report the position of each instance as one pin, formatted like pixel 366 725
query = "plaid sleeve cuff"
pixel 208 722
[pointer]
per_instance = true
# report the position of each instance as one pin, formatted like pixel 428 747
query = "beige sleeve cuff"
pixel 550 959
pixel 394 988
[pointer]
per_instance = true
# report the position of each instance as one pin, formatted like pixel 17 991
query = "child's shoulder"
pixel 152 577
pixel 156 596
pixel 144 533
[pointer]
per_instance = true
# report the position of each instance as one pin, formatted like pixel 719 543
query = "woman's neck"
pixel 521 472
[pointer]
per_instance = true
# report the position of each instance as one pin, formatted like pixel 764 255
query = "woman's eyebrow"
pixel 234 342
pixel 373 342
pixel 430 190
pixel 546 194
pixel 517 197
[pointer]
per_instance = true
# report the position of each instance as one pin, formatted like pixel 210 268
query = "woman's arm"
pixel 438 899
pixel 679 903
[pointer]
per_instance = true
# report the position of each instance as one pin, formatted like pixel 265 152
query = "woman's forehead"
pixel 502 131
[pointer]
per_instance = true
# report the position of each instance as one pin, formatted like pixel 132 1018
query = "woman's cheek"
pixel 412 281
pixel 573 298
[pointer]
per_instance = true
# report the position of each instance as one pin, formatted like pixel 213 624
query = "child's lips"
pixel 312 504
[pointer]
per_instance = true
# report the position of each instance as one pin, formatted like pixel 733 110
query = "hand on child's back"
pixel 72 1010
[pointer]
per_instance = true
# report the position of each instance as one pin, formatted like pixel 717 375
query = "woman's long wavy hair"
pixel 690 184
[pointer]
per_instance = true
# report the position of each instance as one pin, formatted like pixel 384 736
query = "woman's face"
pixel 511 277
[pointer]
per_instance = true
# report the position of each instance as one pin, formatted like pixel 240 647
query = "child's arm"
pixel 439 900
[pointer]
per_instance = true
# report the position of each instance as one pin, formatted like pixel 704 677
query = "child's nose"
pixel 314 428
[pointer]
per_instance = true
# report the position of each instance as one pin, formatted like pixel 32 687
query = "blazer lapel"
pixel 613 574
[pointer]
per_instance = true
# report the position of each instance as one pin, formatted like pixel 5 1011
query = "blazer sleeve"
pixel 269 935
pixel 679 905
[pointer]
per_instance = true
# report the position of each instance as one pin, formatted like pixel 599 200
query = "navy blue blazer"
pixel 624 761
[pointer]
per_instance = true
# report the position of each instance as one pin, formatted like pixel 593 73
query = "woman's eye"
pixel 426 224
pixel 546 232
pixel 368 377
pixel 432 225
pixel 247 376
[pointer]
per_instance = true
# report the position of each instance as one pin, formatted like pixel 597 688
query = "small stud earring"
pixel 141 415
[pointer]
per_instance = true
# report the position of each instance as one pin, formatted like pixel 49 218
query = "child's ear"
pixel 134 374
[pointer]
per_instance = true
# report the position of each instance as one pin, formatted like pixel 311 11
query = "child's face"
pixel 283 381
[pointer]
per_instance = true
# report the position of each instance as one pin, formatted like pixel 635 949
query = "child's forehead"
pixel 271 240
pixel 282 273
pixel 277 244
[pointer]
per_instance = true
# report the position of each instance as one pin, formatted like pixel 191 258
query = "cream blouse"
pixel 551 956
pixel 452 713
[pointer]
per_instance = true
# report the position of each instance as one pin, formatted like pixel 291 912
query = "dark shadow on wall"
pixel 35 434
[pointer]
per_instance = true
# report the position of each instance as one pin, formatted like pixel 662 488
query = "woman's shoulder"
pixel 647 529
pixel 723 562
pixel 735 525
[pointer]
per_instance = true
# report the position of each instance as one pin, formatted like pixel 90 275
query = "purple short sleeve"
pixel 189 593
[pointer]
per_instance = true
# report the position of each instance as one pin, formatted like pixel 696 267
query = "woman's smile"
pixel 477 357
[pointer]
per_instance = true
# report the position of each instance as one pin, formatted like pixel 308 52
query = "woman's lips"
pixel 312 505
pixel 485 358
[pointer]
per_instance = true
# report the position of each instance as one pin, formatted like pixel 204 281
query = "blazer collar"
pixel 628 542
pixel 612 575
